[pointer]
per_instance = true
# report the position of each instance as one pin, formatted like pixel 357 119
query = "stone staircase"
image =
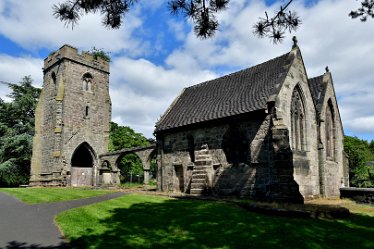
pixel 203 166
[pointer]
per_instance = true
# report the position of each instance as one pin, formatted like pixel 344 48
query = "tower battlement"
pixel 71 53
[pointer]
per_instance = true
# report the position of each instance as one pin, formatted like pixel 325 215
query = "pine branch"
pixel 276 27
pixel 366 10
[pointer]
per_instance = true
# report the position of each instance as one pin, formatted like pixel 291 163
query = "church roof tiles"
pixel 237 93
pixel 317 88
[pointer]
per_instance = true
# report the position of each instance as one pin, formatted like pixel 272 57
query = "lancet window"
pixel 298 125
pixel 329 131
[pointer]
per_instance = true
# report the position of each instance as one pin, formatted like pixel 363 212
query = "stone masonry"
pixel 72 119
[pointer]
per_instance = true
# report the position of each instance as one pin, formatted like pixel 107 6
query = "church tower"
pixel 72 119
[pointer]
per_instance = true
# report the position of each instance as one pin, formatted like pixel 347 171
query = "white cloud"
pixel 142 88
pixel 13 69
pixel 141 91
pixel 327 37
pixel 39 29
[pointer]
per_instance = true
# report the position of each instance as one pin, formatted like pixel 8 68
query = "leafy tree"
pixel 122 137
pixel 16 132
pixel 371 146
pixel 361 174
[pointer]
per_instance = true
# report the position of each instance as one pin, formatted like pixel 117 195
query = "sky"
pixel 154 55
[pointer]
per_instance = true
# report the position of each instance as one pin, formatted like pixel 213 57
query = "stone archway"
pixel 130 167
pixel 145 154
pixel 82 166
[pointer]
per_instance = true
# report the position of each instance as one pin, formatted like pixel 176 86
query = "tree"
pixel 122 137
pixel 16 132
pixel 202 13
pixel 361 174
pixel 366 10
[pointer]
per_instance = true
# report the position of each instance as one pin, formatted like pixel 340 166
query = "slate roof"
pixel 318 89
pixel 237 93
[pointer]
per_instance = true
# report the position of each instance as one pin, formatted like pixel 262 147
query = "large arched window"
pixel 298 130
pixel 329 131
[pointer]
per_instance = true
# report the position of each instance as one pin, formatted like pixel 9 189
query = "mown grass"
pixel 41 195
pixel 131 185
pixel 351 205
pixel 141 221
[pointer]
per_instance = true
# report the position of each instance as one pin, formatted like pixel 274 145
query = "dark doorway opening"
pixel 235 145
pixel 82 163
pixel 82 157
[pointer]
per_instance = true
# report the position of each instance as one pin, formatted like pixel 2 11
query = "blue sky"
pixel 155 55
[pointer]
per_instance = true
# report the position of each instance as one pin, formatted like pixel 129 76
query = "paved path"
pixel 32 226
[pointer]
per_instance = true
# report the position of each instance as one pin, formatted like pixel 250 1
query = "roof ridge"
pixel 316 77
pixel 239 92
pixel 237 72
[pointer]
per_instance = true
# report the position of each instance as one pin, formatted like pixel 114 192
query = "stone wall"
pixel 361 195
pixel 334 170
pixel 306 167
pixel 247 178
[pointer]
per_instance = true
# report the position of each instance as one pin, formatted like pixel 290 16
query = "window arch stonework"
pixel 298 124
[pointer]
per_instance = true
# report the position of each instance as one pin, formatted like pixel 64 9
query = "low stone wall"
pixel 362 195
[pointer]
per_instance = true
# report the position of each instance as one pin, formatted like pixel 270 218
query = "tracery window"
pixel 329 131
pixel 87 82
pixel 298 125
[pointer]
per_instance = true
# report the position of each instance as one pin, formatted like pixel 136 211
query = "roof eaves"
pixel 167 111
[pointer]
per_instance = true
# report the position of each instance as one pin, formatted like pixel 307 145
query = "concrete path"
pixel 32 226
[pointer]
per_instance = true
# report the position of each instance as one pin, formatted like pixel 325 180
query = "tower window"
pixel 87 82
pixel 54 81
pixel 87 110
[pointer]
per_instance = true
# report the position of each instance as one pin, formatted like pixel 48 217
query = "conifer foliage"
pixel 16 132
pixel 366 10
pixel 202 13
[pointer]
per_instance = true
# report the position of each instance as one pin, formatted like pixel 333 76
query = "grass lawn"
pixel 40 195
pixel 131 185
pixel 143 221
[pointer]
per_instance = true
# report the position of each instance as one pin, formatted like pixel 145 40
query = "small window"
pixel 191 147
pixel 87 110
pixel 54 81
pixel 87 82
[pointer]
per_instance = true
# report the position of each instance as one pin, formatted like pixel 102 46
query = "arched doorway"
pixel 82 163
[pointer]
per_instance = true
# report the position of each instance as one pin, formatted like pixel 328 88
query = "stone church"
pixel 72 120
pixel 267 132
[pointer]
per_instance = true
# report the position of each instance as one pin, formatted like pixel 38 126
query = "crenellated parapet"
pixel 70 53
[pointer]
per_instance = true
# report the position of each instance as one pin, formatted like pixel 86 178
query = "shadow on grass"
pixel 23 245
pixel 202 224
